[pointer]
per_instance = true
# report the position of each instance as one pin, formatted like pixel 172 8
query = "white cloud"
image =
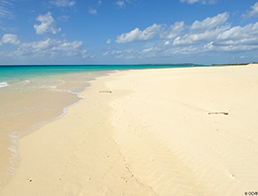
pixel 199 1
pixel 166 43
pixel 204 31
pixel 66 46
pixel 63 3
pixel 173 31
pixel 100 3
pixel 45 48
pixel 71 3
pixel 253 12
pixel 189 1
pixel 235 48
pixel 235 39
pixel 119 56
pixel 235 33
pixel 131 51
pixel 116 52
pixel 10 39
pixel 123 3
pixel 49 47
pixel 199 31
pixel 92 11
pixel 85 54
pixel 213 34
pixel 5 6
pixel 207 36
pixel 138 35
pixel 239 37
pixel 147 50
pixel 105 54
pixel 48 25
pixel 126 54
pixel 210 23
pixel 109 41
pixel 120 4
pixel 63 18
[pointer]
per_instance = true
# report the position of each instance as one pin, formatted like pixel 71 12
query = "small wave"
pixel 47 87
pixel 52 87
pixel 24 82
pixel 15 157
pixel 3 84
pixel 66 108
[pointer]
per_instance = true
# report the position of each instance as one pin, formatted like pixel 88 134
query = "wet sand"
pixel 27 105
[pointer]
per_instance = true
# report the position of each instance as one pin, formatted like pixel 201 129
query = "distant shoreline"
pixel 240 64
pixel 148 64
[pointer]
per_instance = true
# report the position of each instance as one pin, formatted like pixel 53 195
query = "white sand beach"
pixel 183 131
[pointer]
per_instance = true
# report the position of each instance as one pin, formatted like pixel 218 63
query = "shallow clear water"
pixel 11 74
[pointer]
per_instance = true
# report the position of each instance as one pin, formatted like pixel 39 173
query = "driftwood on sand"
pixel 225 113
pixel 105 91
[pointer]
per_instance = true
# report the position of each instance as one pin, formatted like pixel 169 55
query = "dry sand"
pixel 190 131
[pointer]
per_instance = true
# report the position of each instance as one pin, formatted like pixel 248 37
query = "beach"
pixel 180 131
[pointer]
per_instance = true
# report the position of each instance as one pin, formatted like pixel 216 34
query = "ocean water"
pixel 31 96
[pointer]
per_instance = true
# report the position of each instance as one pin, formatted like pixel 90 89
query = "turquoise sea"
pixel 31 96
pixel 23 72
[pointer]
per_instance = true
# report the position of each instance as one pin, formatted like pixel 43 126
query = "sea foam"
pixel 3 84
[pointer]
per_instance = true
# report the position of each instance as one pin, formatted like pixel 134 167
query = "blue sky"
pixel 128 31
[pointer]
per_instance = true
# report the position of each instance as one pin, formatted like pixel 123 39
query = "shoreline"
pixel 10 152
pixel 152 135
pixel 10 158
pixel 46 133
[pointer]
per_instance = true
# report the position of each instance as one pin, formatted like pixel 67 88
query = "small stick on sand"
pixel 105 91
pixel 225 113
